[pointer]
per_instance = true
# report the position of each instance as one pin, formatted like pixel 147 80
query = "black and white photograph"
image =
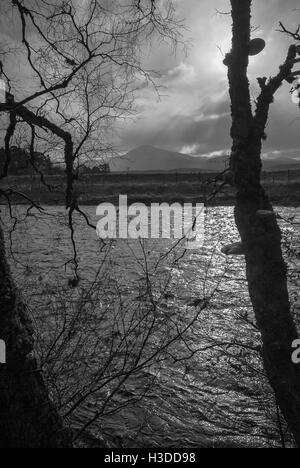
pixel 149 227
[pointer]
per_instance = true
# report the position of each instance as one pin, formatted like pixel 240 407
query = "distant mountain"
pixel 281 164
pixel 149 158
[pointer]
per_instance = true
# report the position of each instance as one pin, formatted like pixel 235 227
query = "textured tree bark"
pixel 28 419
pixel 261 236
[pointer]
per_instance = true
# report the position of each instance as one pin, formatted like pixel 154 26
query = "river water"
pixel 195 380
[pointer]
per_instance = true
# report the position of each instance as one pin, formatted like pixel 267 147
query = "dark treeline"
pixel 22 162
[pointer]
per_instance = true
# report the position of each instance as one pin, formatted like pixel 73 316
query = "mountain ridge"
pixel 149 158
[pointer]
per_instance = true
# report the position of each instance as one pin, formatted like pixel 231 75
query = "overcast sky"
pixel 192 116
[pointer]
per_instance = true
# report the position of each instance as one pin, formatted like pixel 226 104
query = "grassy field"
pixel 283 188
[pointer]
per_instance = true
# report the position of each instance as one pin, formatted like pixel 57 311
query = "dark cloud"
pixel 203 136
pixel 193 113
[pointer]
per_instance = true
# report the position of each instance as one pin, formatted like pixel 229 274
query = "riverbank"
pixel 283 189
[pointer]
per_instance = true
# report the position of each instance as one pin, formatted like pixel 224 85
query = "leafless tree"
pixel 82 63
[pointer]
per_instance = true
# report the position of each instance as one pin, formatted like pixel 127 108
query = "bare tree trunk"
pixel 27 417
pixel 260 233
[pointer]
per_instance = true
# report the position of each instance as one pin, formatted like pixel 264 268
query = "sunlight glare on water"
pixel 211 399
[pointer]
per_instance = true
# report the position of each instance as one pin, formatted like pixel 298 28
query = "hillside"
pixel 149 158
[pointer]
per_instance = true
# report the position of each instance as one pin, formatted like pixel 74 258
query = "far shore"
pixel 91 190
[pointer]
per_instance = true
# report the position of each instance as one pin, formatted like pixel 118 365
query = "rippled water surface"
pixel 209 389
